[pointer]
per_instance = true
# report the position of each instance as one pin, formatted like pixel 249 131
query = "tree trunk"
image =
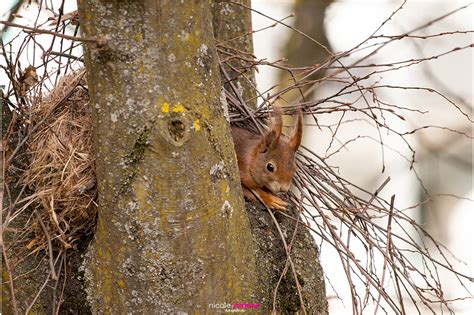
pixel 232 25
pixel 301 51
pixel 272 259
pixel 172 232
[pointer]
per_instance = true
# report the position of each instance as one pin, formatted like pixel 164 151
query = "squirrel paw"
pixel 274 202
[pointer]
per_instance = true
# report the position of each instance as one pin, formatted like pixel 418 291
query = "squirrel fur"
pixel 267 162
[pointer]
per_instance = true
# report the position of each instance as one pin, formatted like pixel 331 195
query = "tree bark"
pixel 272 259
pixel 232 25
pixel 172 232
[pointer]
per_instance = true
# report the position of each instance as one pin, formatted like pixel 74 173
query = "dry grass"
pixel 61 165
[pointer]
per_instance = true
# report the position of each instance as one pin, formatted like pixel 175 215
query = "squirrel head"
pixel 275 158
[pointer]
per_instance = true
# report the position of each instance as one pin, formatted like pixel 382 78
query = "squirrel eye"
pixel 270 167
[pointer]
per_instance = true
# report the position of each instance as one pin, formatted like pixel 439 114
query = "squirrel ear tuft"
pixel 278 124
pixel 295 140
pixel 270 140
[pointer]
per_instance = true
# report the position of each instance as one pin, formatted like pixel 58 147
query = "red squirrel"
pixel 267 162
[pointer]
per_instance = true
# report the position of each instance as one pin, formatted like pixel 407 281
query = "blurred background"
pixel 442 176
pixel 437 190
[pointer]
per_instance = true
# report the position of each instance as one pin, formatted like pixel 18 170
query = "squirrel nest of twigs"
pixel 60 169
